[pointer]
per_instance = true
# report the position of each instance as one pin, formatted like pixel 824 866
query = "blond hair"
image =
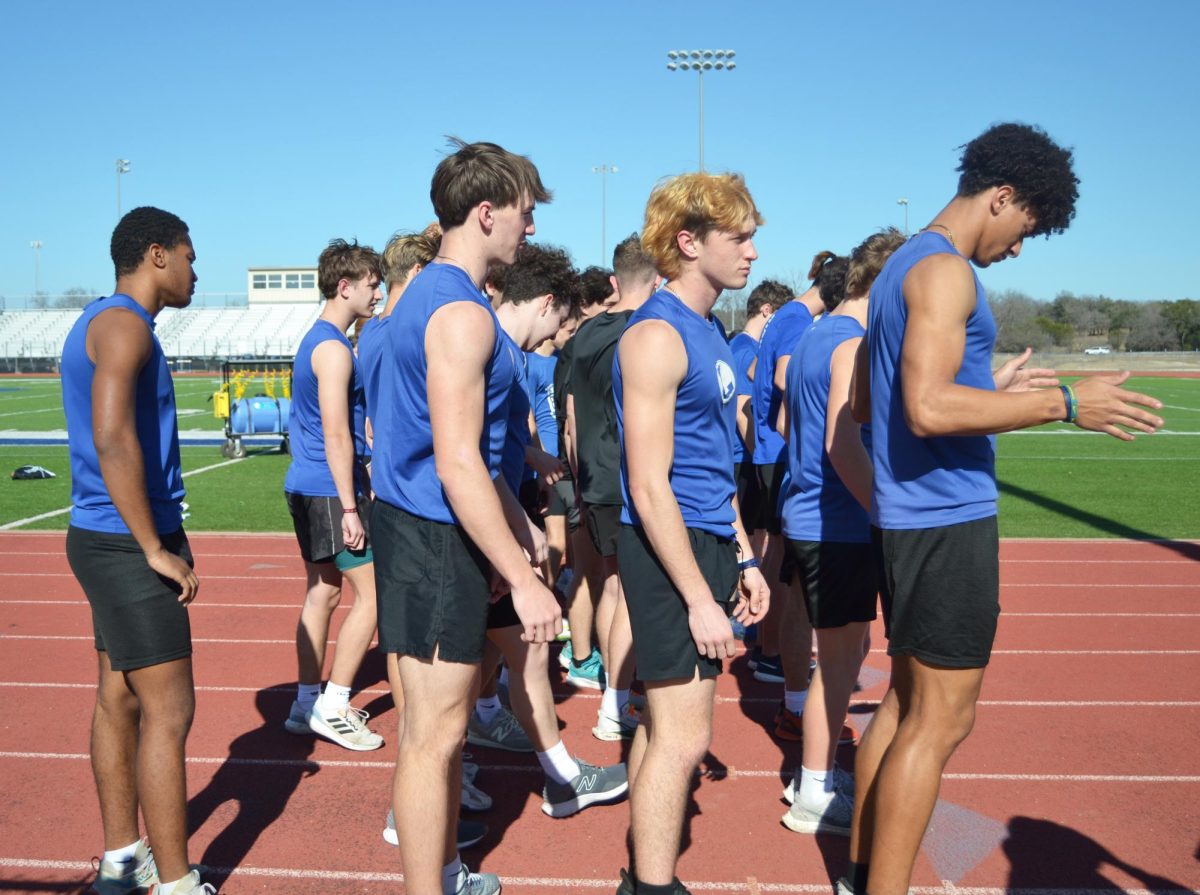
pixel 867 260
pixel 698 203
pixel 406 249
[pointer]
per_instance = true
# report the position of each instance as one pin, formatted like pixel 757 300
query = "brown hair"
pixel 828 273
pixel 343 260
pixel 482 172
pixel 406 249
pixel 868 258
pixel 631 264
pixel 698 203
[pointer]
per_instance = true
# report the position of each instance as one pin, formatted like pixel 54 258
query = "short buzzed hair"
pixel 631 263
pixel 482 172
pixel 343 260
pixel 768 292
pixel 140 229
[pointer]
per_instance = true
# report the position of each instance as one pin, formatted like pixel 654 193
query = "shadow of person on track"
pixel 1186 549
pixel 36 885
pixel 1045 855
pixel 264 768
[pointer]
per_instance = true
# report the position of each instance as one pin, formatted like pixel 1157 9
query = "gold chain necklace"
pixel 949 234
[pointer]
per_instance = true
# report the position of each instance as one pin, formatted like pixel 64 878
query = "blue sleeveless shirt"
pixel 745 349
pixel 540 370
pixel 925 482
pixel 403 467
pixel 370 353
pixel 779 338
pixel 512 464
pixel 154 417
pixel 816 505
pixel 308 473
pixel 701 474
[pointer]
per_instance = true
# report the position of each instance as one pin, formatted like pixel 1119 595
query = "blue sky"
pixel 273 127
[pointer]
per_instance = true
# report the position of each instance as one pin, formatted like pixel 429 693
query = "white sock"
pixel 306 695
pixel 450 874
pixel 122 855
pixel 814 793
pixel 169 888
pixel 558 764
pixel 336 697
pixel 613 702
pixel 794 700
pixel 488 707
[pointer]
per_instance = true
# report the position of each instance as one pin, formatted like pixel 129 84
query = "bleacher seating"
pixel 259 330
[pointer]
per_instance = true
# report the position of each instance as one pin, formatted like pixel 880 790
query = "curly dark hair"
pixel 597 285
pixel 768 292
pixel 341 260
pixel 140 229
pixel 1024 157
pixel 828 273
pixel 541 270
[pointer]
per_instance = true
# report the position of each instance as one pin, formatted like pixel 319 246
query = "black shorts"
pixel 530 498
pixel 604 522
pixel 750 496
pixel 502 614
pixel 562 502
pixel 940 590
pixel 838 579
pixel 663 647
pixel 770 479
pixel 431 587
pixel 317 522
pixel 136 614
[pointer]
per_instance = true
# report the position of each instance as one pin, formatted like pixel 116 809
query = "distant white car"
pixel 1098 349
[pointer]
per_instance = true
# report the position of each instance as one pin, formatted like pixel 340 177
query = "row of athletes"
pixel 445 386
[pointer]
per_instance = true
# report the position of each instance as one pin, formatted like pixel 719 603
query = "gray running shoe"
pixel 504 732
pixel 477 883
pixel 834 818
pixel 592 786
pixel 135 878
pixel 469 831
pixel 297 721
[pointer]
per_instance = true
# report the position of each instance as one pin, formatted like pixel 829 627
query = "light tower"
pixel 701 61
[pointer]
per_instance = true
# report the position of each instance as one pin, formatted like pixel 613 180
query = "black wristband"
pixel 751 563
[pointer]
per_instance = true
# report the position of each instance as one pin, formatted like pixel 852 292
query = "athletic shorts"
pixel 663 647
pixel 136 614
pixel 770 479
pixel 604 522
pixel 317 522
pixel 940 590
pixel 530 498
pixel 502 614
pixel 750 496
pixel 562 502
pixel 431 587
pixel 838 580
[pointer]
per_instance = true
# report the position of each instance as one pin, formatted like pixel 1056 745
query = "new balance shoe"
pixel 843 782
pixel 136 877
pixel 347 727
pixel 613 729
pixel 564 656
pixel 469 831
pixel 297 720
pixel 834 818
pixel 790 726
pixel 503 732
pixel 190 885
pixel 589 674
pixel 592 786
pixel 477 883
pixel 769 669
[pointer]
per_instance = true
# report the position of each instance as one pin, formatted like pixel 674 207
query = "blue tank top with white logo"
pixel 925 482
pixel 701 474
pixel 779 338
pixel 816 506
pixel 308 473
pixel 154 418
pixel 403 469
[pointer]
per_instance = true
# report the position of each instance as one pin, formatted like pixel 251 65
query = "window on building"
pixel 260 281
pixel 293 280
pixel 308 281
pixel 274 281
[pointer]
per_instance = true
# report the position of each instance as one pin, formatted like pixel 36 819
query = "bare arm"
pixel 860 384
pixel 843 435
pixel 781 419
pixel 459 340
pixel 529 536
pixel 332 364
pixel 745 422
pixel 120 345
pixel 653 363
pixel 572 455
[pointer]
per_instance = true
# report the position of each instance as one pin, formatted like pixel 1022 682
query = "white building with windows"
pixel 293 285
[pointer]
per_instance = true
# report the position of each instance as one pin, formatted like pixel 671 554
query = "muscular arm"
pixel 860 384
pixel 333 366
pixel 459 340
pixel 120 345
pixel 843 434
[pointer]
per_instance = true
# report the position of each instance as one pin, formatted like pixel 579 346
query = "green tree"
pixel 1183 317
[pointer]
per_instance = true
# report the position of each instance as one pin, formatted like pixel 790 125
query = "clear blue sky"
pixel 272 127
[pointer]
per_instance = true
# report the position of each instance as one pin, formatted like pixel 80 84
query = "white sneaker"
pixel 133 878
pixel 348 727
pixel 190 885
pixel 843 782
pixel 613 729
pixel 834 818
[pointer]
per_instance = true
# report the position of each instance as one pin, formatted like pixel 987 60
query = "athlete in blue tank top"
pixel 369 350
pixel 744 348
pixel 923 383
pixel 541 383
pixel 779 336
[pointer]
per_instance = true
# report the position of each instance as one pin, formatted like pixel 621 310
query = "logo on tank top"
pixel 726 381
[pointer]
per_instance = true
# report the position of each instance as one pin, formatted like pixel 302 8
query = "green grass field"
pixel 1055 481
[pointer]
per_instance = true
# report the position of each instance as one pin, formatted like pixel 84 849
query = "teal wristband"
pixel 1071 401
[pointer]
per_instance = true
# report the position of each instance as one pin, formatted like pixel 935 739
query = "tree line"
pixel 1074 322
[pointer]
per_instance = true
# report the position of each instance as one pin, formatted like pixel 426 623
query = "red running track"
pixel 1080 776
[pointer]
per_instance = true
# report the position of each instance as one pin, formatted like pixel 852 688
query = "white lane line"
pixel 38 518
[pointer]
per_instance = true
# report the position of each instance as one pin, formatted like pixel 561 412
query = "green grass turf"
pixel 1054 481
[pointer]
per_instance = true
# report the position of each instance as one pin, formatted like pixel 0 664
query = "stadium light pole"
pixel 122 168
pixel 36 245
pixel 904 202
pixel 701 61
pixel 604 171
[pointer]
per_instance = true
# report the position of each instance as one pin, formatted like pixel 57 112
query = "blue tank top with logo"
pixel 816 506
pixel 779 338
pixel 701 474
pixel 540 370
pixel 154 418
pixel 308 473
pixel 925 482
pixel 403 469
